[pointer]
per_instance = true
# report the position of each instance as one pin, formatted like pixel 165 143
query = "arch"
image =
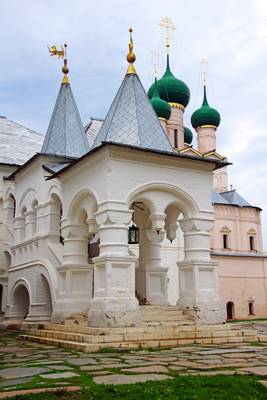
pixel 79 203
pixel 54 191
pixel 27 198
pixel 251 308
pixel 230 310
pixel 180 197
pixel 20 298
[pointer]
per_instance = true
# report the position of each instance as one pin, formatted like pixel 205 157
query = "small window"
pixel 250 308
pixel 175 132
pixel 251 243
pixel 225 241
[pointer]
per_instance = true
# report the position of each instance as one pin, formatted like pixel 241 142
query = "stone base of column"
pixel 154 285
pixel 204 311
pixel 114 313
pixel 63 309
pixel 199 291
pixel 114 303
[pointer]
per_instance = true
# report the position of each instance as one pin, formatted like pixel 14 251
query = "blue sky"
pixel 231 34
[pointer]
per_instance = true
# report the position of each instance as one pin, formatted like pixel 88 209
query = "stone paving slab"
pixel 41 390
pixel 152 368
pixel 61 375
pixel 125 379
pixel 21 372
pixel 262 371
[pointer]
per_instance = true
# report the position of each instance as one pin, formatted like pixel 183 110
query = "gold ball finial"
pixel 131 56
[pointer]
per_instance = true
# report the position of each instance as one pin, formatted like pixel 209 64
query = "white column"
pixel 198 275
pixel 19 227
pixel 114 303
pixel 75 274
pixel 30 223
pixel 151 275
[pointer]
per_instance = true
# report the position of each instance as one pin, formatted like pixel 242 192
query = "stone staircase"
pixel 161 327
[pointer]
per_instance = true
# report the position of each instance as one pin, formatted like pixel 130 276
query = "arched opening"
pixel 225 241
pixel 230 310
pixel 34 217
pixel 251 243
pixel 46 299
pixel 1 299
pixel 56 217
pixel 20 302
pixel 251 308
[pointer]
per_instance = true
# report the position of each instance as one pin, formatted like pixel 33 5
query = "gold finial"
pixel 204 70
pixel 131 56
pixel 169 26
pixel 61 54
pixel 155 55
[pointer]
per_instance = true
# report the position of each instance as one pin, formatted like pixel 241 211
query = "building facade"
pixel 125 212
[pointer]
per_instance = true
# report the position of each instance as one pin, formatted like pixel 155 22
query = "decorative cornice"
pixel 177 105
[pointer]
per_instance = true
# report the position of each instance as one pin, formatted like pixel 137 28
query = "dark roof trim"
pixel 218 164
pixel 236 205
pixel 35 156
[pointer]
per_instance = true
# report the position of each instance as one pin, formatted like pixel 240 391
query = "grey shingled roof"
pixel 235 199
pixel 231 197
pixel 65 135
pixel 131 119
pixel 92 129
pixel 17 143
pixel 218 199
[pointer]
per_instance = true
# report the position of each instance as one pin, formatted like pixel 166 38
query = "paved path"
pixel 26 365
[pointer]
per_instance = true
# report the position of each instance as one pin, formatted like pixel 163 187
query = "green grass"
pixel 181 388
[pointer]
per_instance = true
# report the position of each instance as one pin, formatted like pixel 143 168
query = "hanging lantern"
pixel 133 234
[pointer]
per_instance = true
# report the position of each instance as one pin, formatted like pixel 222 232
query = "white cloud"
pixel 232 34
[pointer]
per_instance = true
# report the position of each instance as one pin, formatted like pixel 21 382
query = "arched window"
pixel 251 308
pixel 225 232
pixel 251 243
pixel 175 134
pixel 230 310
pixel 225 241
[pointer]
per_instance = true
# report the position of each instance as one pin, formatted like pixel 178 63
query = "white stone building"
pixel 99 221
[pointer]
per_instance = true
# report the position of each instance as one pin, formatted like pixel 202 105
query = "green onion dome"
pixel 188 136
pixel 161 107
pixel 205 115
pixel 171 89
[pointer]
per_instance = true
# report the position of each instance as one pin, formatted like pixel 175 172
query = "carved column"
pixel 114 303
pixel 198 274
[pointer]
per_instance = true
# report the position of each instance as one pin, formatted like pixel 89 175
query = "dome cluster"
pixel 169 91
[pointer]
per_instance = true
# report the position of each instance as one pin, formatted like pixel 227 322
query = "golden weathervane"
pixel 61 54
pixel 131 56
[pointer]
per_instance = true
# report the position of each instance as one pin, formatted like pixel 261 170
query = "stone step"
pixel 161 318
pixel 89 330
pixel 155 343
pixel 129 337
pixel 159 308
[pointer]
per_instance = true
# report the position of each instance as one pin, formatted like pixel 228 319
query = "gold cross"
pixel 204 69
pixel 168 25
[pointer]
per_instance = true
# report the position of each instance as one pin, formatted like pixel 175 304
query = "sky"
pixel 230 34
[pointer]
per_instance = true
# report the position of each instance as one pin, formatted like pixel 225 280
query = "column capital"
pixel 196 224
pixel 156 236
